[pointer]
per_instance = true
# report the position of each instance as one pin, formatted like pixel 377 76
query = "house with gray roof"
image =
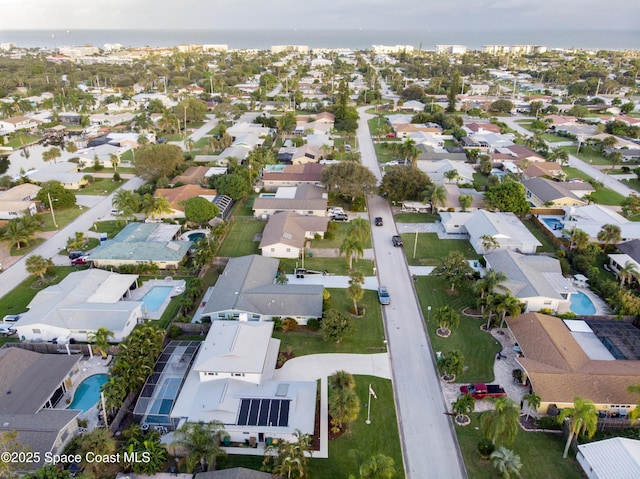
pixel 535 280
pixel 18 201
pixel 247 291
pixel 32 385
pixel 80 304
pixel 286 233
pixel 64 172
pixel 592 218
pixel 542 191
pixel 140 243
pixel 436 171
pixel 234 473
pixel 310 200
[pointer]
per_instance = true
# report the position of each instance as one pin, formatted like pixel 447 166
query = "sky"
pixel 324 14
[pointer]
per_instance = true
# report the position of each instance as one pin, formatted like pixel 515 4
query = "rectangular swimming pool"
pixel 553 223
pixel 155 297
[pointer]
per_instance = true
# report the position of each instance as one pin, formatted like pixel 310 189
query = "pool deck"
pixel 178 285
pixel 598 302
pixel 556 232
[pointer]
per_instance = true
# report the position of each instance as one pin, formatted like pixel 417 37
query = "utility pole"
pixel 53 216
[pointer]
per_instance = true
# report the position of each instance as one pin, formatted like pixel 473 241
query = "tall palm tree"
pixel 506 462
pixel 100 338
pixel 359 229
pixel 628 273
pixel 436 195
pixel 489 242
pixel 128 202
pixel 115 161
pixel 409 151
pixel 451 175
pixel 508 304
pixel 451 364
pixel 355 291
pixel 351 246
pixel 344 406
pixel 189 144
pixel 154 206
pixel 609 234
pixel 583 418
pixel 378 467
pixel 533 402
pixel 578 239
pixel 201 442
pixel 500 425
pixel 488 284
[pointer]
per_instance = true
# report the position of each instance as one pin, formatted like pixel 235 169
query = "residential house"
pixel 479 89
pixel 17 123
pixel 565 359
pixel 481 128
pixel 436 170
pixel 305 154
pixel 178 196
pixel 194 175
pixel 619 261
pixel 559 121
pixel 304 199
pixel 631 248
pixel 535 169
pixel 286 233
pixel 102 154
pixel 592 218
pixel 32 385
pixel 489 231
pixel 292 175
pixel 232 381
pixel 414 106
pixel 247 291
pixel 613 458
pixel 544 192
pixel 80 304
pixel 18 201
pixel 105 119
pixel 64 172
pixel 140 243
pixel 234 473
pixel 535 280
pixel 452 202
pixel 404 130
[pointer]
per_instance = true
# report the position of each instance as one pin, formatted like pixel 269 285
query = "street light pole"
pixel 428 313
pixel 53 216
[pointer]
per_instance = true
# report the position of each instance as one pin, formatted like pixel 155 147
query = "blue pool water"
pixel 155 297
pixel 553 223
pixel 581 304
pixel 88 392
pixel 195 237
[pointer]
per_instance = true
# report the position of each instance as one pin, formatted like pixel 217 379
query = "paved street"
pixel 429 445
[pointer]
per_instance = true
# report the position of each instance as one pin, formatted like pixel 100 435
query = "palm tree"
pixel 489 242
pixel 355 291
pixel 351 246
pixel 578 239
pixel 153 206
pixel 97 440
pixel 17 233
pixel 462 406
pixel 344 406
pixel 501 423
pixel 128 202
pixel 590 198
pixel 488 284
pixel 290 458
pixel 583 418
pixel 506 462
pixel 341 380
pixel 508 304
pixel 409 151
pixel 533 402
pixel 451 365
pixel 100 338
pixel 560 156
pixel 609 234
pixel 359 229
pixel 378 467
pixel 115 161
pixel 37 265
pixel 201 442
pixel 447 318
pixel 628 273
pixel 436 195
pixel 635 414
pixel 451 175
pixel 189 144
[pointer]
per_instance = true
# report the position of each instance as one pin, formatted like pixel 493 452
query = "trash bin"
pixel 310 254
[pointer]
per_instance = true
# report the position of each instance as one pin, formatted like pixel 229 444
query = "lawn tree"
pixel 336 326
pixel 377 467
pixel 507 304
pixel 506 462
pixel 201 441
pixel 38 265
pixel 502 106
pixel 234 185
pixel 350 247
pixel 400 183
pixel 446 318
pixel 454 268
pixel 77 242
pixel 192 109
pixel 465 201
pixel 583 419
pixel 533 402
pixel 18 232
pixel 128 203
pixel 451 365
pixel 349 179
pixel 200 210
pixel 60 197
pixel 454 89
pixel 501 424
pixel 359 228
pixel 344 407
pixel 355 290
pixel 508 196
pixel 100 340
pixel 155 161
pixel 463 406
pixel 341 380
pixel 289 459
pixel 409 152
pixel 436 195
pixel 286 123
pixel 155 206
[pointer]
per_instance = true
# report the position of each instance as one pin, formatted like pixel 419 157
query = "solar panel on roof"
pixel 264 412
pixel 253 412
pixel 283 419
pixel 244 412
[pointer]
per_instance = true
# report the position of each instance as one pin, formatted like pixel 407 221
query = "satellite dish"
pixel 256 189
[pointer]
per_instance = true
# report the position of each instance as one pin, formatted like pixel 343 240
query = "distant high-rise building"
pixel 381 49
pixel 451 49
pixel 304 49
pixel 495 49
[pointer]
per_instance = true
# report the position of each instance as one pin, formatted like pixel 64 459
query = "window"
pixel 36 331
pixel 288 250
pixel 238 375
pixel 273 250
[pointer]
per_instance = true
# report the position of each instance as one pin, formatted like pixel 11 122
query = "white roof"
pixel 615 458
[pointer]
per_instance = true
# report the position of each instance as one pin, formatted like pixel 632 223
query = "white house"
pixel 286 233
pixel 614 458
pixel 247 291
pixel 80 304
pixel 499 230
pixel 304 199
pixel 592 218
pixel 18 201
pixel 15 123
pixel 436 171
pixel 535 280
pixel 232 381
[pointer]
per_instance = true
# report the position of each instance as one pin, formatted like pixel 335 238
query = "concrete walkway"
pixel 328 281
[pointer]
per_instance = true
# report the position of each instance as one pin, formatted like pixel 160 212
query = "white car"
pixel 6 330
pixel 11 318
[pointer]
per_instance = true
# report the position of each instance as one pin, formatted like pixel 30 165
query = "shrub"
pixel 547 422
pixel 277 323
pixel 313 324
pixel 116 177
pixel 174 332
pixel 289 324
pixel 486 447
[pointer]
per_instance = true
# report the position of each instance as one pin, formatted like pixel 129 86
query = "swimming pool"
pixel 553 223
pixel 155 297
pixel 195 237
pixel 88 392
pixel 581 304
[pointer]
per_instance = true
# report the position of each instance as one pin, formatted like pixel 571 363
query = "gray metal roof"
pixel 235 473
pixel 549 190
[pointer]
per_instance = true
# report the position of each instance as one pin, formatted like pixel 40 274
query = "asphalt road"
pixel 429 445
pixel 17 272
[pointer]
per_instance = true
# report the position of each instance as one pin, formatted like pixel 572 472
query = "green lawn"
pixel 240 238
pixel 244 206
pixel 547 245
pixel 111 227
pixel 480 180
pixel 384 154
pixel 587 155
pixel 337 266
pixel 340 233
pixel 416 218
pixel 634 184
pixel 17 301
pixel 479 348
pixel 64 216
pixel 605 196
pixel 431 249
pixel 17 142
pixel 540 453
pixel 367 340
pixel 575 173
pixel 26 249
pixel 100 187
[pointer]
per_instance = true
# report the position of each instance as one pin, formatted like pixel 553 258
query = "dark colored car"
pixel 378 221
pixel 76 254
pixel 397 240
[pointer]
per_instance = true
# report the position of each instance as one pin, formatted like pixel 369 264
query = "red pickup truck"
pixel 482 390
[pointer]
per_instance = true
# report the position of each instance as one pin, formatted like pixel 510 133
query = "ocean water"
pixel 355 39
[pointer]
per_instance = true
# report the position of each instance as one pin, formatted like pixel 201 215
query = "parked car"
pixel 11 318
pixel 378 221
pixel 390 135
pixel 6 330
pixel 80 261
pixel 383 295
pixel 397 240
pixel 76 254
pixel 335 210
pixel 482 390
pixel 339 217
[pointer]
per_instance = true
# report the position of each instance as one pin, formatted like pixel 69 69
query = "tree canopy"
pixel 200 210
pixel 348 179
pixel 60 197
pixel 154 161
pixel 400 183
pixel 234 185
pixel 508 196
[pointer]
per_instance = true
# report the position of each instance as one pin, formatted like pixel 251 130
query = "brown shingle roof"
pixel 308 172
pixel 191 176
pixel 560 370
pixel 177 196
pixel 289 228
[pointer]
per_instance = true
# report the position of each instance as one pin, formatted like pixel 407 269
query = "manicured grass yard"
pixel 383 153
pixel 240 238
pixel 100 187
pixel 367 340
pixel 338 266
pixel 111 227
pixel 244 207
pixel 605 196
pixel 547 245
pixel 635 184
pixel 479 348
pixel 587 155
pixel 575 173
pixel 416 218
pixel 340 233
pixel 540 453
pixel 64 216
pixel 431 250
